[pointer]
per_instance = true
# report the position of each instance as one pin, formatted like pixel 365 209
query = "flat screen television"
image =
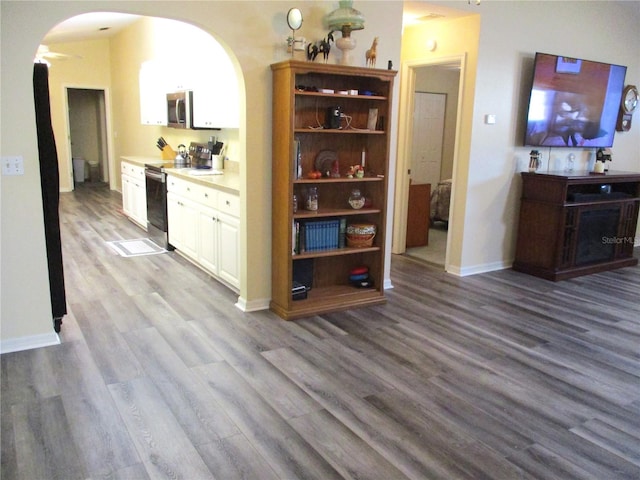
pixel 573 102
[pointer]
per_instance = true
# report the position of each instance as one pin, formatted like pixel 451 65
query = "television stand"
pixel 574 224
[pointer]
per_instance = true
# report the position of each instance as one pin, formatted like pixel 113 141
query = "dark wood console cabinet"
pixel 574 224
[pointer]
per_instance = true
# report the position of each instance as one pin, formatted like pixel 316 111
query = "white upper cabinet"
pixel 153 94
pixel 215 99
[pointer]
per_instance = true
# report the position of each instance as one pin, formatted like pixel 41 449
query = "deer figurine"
pixel 371 53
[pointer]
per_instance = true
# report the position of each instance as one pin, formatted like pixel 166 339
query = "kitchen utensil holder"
pixel 217 162
pixel 168 153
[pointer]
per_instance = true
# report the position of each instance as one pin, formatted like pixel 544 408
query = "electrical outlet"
pixel 13 165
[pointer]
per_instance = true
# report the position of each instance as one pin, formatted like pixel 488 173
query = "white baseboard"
pixel 387 284
pixel 29 342
pixel 474 270
pixel 253 305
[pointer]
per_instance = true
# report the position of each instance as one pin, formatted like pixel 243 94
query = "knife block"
pixel 168 153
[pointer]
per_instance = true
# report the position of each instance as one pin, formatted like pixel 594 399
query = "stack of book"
pixel 314 236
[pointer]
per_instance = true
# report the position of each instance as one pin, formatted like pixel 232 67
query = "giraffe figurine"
pixel 371 53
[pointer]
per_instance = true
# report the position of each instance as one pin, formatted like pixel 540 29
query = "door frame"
pixel 107 145
pixel 405 136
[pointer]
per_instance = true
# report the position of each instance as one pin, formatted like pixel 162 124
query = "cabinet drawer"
pixel 208 196
pixel 195 192
pixel 178 186
pixel 131 170
pixel 229 204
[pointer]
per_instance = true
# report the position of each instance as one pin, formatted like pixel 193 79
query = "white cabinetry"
pixel 134 193
pixel 229 240
pixel 215 100
pixel 183 220
pixel 204 226
pixel 153 94
pixel 215 94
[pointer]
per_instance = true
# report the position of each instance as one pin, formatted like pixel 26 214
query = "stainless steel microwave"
pixel 180 109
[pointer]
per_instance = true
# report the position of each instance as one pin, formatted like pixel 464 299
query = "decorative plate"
pixel 324 161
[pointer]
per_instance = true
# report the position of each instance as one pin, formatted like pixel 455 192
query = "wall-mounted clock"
pixel 628 105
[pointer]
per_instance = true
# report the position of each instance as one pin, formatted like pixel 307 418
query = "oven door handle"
pixel 158 177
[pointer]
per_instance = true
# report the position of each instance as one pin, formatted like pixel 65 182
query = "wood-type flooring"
pixel 159 375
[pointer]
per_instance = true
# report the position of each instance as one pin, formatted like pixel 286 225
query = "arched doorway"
pixel 114 65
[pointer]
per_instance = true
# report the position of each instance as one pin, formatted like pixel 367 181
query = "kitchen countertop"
pixel 141 161
pixel 229 181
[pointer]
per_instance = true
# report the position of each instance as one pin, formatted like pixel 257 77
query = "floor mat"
pixel 135 248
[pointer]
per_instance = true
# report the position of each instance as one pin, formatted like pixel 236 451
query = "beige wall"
pixel 113 64
pixel 499 43
pixel 88 66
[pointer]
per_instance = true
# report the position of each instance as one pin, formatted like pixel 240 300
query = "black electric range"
pixel 156 189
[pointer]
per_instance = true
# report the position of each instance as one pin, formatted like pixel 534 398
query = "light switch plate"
pixel 13 165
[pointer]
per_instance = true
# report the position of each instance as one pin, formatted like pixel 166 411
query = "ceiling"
pixel 105 24
pixel 419 12
pixel 89 26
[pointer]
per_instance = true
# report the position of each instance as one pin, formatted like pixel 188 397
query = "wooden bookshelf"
pixel 298 120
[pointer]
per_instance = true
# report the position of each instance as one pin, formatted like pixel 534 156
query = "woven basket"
pixel 360 235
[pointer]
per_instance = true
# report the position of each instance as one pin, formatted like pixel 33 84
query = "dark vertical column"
pixel 50 184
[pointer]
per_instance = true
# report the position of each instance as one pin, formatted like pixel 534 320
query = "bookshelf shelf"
pixel 335 212
pixel 334 252
pixel 348 131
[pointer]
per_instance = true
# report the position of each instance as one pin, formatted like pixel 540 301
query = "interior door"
pixel 426 162
pixel 428 135
pixel 418 215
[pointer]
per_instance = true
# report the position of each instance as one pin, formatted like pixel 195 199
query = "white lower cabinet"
pixel 183 224
pixel 134 193
pixel 208 239
pixel 229 241
pixel 204 226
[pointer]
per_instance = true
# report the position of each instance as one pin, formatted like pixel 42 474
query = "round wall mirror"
pixel 294 19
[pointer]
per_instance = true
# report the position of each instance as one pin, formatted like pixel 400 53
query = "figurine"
pixel 355 170
pixel 371 53
pixel 323 46
pixel 312 51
